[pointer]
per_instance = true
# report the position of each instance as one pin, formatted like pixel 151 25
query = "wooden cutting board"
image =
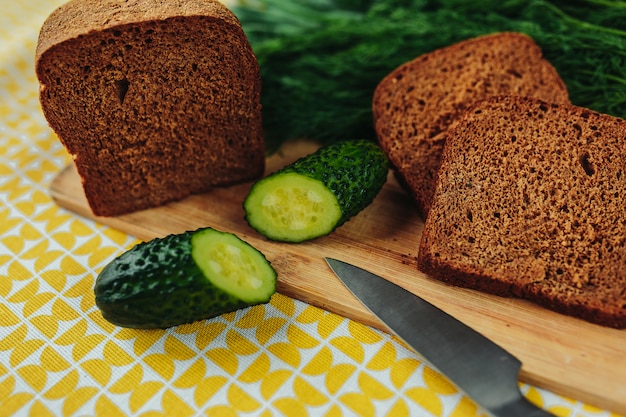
pixel 568 356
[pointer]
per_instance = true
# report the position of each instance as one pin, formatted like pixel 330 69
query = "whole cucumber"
pixel 183 278
pixel 318 193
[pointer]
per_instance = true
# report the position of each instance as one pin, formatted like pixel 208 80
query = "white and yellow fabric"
pixel 58 357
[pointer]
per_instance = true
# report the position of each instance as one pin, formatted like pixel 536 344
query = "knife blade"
pixel 480 368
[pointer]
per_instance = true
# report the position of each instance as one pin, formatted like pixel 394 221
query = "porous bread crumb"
pixel 530 203
pixel 416 104
pixel 155 100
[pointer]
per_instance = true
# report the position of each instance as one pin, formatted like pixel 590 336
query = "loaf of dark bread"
pixel 154 99
pixel 414 106
pixel 530 203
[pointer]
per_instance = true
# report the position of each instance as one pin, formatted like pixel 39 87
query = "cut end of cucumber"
pixel 234 266
pixel 292 208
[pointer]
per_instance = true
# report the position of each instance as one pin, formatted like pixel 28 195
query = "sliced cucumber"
pixel 233 266
pixel 183 278
pixel 292 207
pixel 318 193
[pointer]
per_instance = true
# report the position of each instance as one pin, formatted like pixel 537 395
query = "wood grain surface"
pixel 568 356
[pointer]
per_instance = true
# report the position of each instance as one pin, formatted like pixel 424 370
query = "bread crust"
pixel 529 204
pixel 414 105
pixel 155 100
pixel 81 17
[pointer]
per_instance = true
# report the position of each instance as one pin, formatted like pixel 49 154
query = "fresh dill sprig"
pixel 322 59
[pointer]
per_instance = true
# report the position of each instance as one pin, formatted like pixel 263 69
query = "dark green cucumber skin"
pixel 157 284
pixel 354 170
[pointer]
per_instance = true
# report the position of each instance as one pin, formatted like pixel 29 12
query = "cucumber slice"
pixel 293 207
pixel 182 278
pixel 318 193
pixel 233 266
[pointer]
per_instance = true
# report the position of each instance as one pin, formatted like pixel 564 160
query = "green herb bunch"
pixel 322 59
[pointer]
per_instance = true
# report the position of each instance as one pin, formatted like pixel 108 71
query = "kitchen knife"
pixel 483 370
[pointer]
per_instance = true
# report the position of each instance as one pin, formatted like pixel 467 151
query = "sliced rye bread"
pixel 155 100
pixel 530 203
pixel 414 106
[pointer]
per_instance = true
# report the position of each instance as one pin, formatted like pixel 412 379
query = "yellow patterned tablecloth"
pixel 58 357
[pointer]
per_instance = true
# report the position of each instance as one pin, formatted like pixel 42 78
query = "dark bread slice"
pixel 530 203
pixel 414 106
pixel 155 100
